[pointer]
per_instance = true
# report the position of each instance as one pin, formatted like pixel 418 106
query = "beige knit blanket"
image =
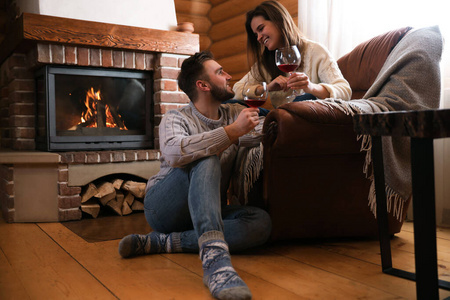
pixel 410 79
pixel 248 167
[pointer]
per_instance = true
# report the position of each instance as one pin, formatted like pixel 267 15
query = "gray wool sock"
pixel 154 242
pixel 218 274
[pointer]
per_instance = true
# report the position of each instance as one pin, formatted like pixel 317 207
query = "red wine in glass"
pixel 287 60
pixel 255 102
pixel 255 96
pixel 287 68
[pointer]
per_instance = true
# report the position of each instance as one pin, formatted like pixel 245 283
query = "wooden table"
pixel 422 127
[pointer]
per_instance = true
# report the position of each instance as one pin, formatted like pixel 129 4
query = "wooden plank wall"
pixel 196 11
pixel 221 25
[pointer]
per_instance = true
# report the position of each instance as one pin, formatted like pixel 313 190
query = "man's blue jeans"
pixel 188 200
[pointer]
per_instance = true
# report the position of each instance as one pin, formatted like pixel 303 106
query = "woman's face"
pixel 266 33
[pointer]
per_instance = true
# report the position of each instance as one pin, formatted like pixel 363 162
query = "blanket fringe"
pixel 395 203
pixel 366 145
pixel 253 169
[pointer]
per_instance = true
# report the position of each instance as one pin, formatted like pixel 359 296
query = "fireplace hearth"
pixel 93 109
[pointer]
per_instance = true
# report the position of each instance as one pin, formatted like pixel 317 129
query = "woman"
pixel 270 26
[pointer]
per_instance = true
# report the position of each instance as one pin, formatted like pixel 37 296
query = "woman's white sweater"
pixel 320 67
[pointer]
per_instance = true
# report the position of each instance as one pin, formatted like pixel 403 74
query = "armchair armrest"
pixel 309 128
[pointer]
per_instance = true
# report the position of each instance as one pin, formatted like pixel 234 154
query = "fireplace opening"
pixel 93 109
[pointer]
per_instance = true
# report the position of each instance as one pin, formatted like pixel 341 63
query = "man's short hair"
pixel 192 70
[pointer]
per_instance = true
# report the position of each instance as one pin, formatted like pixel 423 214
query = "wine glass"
pixel 287 60
pixel 255 96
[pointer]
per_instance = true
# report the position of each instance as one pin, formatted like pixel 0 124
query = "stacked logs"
pixel 122 197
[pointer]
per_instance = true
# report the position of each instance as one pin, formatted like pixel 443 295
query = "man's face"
pixel 219 81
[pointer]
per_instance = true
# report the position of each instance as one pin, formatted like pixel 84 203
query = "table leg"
pixel 422 168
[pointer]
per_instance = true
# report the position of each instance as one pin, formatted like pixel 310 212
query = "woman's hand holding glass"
pixel 288 60
pixel 278 84
pixel 298 81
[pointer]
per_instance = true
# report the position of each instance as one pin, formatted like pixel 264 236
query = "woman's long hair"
pixel 290 33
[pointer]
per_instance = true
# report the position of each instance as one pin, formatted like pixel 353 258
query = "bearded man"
pixel 185 203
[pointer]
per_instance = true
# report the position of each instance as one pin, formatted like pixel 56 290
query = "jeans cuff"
pixel 176 242
pixel 210 236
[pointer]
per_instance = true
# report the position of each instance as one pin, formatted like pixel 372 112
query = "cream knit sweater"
pixel 320 67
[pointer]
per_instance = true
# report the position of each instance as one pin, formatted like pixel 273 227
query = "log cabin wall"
pixel 196 11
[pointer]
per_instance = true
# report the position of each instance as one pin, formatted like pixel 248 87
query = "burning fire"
pixel 100 114
pixel 91 106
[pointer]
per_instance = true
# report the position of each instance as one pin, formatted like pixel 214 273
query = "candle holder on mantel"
pixel 185 27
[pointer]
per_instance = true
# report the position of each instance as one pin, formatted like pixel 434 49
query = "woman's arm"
pixel 325 77
pixel 278 90
pixel 239 86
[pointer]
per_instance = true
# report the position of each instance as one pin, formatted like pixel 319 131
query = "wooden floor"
pixel 48 261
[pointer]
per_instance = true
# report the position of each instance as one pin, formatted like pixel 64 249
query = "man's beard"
pixel 221 94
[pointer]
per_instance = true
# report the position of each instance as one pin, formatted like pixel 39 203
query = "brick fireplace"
pixel 46 186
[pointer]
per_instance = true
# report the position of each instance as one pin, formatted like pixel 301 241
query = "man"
pixel 184 201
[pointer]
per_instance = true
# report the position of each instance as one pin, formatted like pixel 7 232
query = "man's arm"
pixel 181 144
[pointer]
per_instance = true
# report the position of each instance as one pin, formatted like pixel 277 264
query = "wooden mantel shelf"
pixel 35 28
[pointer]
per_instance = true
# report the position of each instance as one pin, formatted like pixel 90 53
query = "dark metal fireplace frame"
pixel 47 138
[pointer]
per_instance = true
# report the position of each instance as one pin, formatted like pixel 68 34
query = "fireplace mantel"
pixel 35 28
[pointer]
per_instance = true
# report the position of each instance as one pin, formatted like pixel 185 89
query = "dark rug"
pixel 109 227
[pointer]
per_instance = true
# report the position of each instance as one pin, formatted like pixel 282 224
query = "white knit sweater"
pixel 320 67
pixel 185 135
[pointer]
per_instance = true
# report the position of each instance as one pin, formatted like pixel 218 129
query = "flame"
pixel 92 103
pixel 91 107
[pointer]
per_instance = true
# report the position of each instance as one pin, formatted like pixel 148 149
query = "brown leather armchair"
pixel 314 185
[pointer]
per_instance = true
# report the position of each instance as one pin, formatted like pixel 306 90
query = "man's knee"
pixel 264 227
pixel 208 164
pixel 212 160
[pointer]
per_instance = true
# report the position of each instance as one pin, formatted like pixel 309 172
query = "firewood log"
pixel 90 191
pixel 120 197
pixel 91 207
pixel 137 205
pixel 114 205
pixel 116 117
pixel 136 188
pixel 117 183
pixel 104 189
pixel 129 198
pixel 88 123
pixel 108 198
pixel 126 209
pixel 101 114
